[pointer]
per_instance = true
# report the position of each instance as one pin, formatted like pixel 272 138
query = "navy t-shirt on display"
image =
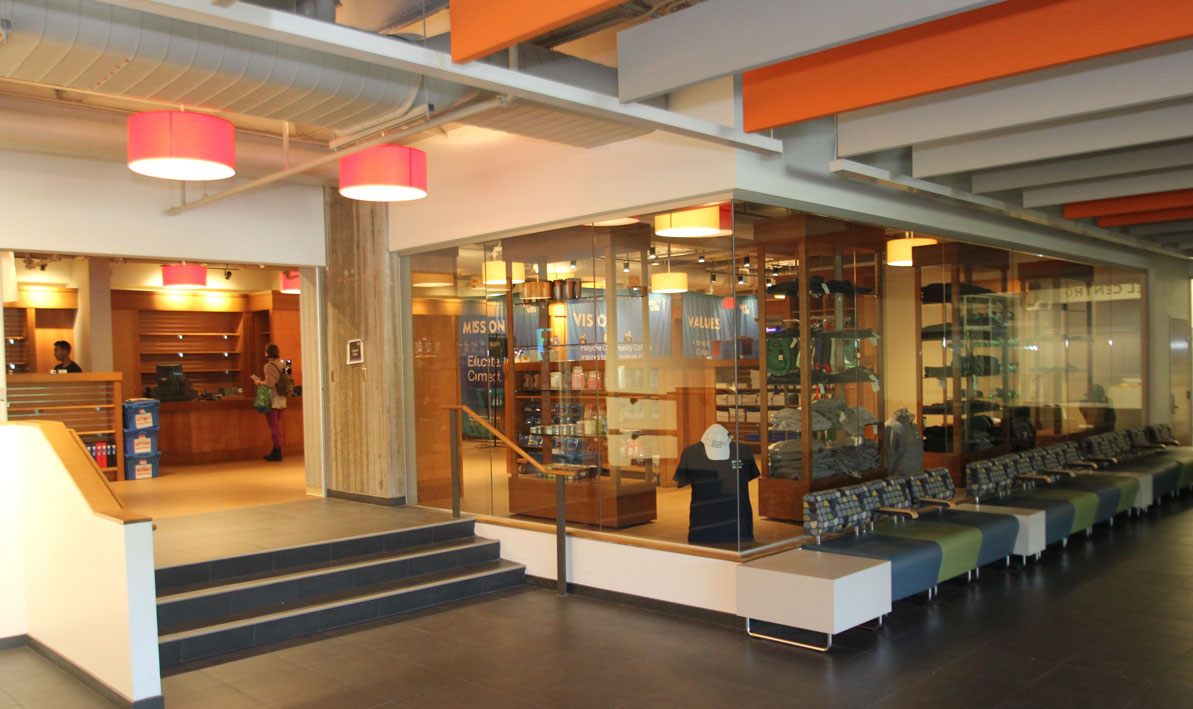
pixel 720 509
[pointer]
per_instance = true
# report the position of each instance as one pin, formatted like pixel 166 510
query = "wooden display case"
pixel 804 247
pixel 956 265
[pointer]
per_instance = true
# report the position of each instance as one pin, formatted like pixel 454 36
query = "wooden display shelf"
pixel 597 501
pixel 88 403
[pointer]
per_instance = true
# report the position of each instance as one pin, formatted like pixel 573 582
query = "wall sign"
pixel 356 351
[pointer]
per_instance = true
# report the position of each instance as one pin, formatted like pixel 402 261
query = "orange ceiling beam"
pixel 482 27
pixel 1007 38
pixel 1125 205
pixel 1158 215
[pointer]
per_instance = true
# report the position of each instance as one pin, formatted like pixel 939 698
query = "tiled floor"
pixel 29 680
pixel 193 538
pixel 1106 623
pixel 194 489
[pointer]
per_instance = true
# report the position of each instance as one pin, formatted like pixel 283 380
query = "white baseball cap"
pixel 716 442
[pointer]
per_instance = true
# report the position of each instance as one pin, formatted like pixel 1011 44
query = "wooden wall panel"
pixel 126 351
pixel 285 331
pixel 436 369
pixel 53 324
pixel 365 446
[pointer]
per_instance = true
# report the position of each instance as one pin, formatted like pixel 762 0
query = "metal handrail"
pixel 560 480
pixel 500 436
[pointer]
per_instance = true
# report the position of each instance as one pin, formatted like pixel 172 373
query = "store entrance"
pixel 156 365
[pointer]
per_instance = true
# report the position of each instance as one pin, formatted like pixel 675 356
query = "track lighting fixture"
pixel 652 255
pixel 700 258
pixel 625 267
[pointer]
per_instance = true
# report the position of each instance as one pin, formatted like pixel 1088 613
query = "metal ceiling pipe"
pixel 450 116
pixel 69 130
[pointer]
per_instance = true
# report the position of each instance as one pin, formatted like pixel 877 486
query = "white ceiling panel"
pixel 1121 162
pixel 722 37
pixel 1128 79
pixel 1161 181
pixel 1057 139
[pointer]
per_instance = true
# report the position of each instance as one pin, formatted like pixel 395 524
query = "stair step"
pixel 216 599
pixel 185 576
pixel 316 614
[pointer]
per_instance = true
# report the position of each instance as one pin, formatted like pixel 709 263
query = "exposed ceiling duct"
pixel 130 53
pixel 108 50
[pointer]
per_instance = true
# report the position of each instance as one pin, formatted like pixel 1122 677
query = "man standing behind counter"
pixel 65 363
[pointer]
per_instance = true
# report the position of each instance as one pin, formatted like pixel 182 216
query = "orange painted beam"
pixel 482 27
pixel 1125 205
pixel 1007 38
pixel 1158 215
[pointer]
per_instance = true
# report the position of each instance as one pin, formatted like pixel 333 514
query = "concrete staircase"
pixel 223 605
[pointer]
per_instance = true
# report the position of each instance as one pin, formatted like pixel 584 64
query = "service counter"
pixel 224 430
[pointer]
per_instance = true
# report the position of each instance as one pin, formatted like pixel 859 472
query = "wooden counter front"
pixel 197 432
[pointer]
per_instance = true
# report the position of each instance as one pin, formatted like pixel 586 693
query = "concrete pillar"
pixel 93 320
pixel 366 450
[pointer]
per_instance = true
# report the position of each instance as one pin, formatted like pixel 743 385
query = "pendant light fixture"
pixel 625 267
pixel 651 254
pixel 494 273
pixel 709 220
pixel 619 221
pixel 572 267
pixel 700 258
pixel 289 282
pixel 174 145
pixel 898 251
pixel 669 282
pixel 184 276
pixel 385 173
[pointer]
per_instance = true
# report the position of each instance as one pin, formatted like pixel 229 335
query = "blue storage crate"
pixel 139 441
pixel 141 467
pixel 140 413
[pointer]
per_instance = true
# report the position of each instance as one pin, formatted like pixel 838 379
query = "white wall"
pixel 64 205
pixel 88 580
pixel 665 576
pixel 487 183
pixel 13 615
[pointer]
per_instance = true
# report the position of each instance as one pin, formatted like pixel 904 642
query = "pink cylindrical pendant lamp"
pixel 174 145
pixel 385 173
pixel 186 275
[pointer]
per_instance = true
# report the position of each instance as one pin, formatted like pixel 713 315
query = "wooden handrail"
pixel 81 467
pixel 500 436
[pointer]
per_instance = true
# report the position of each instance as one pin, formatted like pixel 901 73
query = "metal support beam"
pixel 307 33
pixel 860 172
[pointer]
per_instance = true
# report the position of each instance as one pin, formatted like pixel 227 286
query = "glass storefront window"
pixel 699 386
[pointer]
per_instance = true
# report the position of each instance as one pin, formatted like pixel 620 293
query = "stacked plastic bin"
pixel 141 455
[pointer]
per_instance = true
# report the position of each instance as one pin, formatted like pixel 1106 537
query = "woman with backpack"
pixel 280 386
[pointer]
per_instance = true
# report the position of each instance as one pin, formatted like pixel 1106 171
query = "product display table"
pixel 1031 539
pixel 813 590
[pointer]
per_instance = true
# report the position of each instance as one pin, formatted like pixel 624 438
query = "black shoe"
pixel 274 455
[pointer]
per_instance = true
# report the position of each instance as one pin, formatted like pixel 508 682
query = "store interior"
pixel 190 336
pixel 634 340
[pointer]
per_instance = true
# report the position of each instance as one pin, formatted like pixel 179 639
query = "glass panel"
pixel 826 352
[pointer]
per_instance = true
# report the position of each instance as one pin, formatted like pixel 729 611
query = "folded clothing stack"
pixel 792 419
pixel 786 459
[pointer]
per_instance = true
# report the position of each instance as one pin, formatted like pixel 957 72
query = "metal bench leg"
pixel 876 626
pixel 817 648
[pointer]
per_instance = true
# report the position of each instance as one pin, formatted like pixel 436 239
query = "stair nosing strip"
pixel 257 583
pixel 254 620
pixel 314 544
